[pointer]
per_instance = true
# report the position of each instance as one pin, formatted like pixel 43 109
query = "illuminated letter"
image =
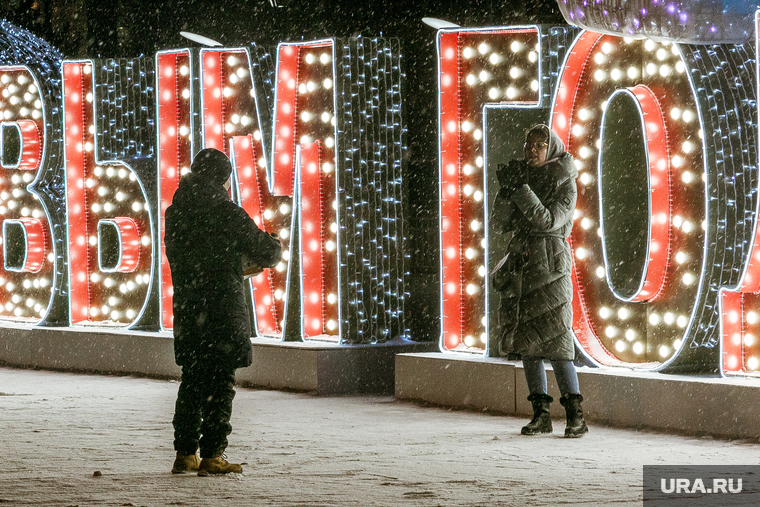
pixel 603 320
pixel 305 115
pixel 696 235
pixel 174 91
pixel 110 271
pixel 232 122
pixel 476 68
pixel 353 286
pixel 740 308
pixel 28 257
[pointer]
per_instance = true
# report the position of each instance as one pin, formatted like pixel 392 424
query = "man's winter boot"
pixel 185 463
pixel 217 465
pixel 576 426
pixel 542 421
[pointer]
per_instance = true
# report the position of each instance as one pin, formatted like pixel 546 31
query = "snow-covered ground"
pixel 58 429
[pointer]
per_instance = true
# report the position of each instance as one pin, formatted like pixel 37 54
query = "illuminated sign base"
pixel 320 367
pixel 612 396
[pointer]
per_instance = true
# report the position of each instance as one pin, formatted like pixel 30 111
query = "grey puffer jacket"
pixel 535 314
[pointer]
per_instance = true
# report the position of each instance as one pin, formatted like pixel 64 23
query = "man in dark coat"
pixel 206 237
pixel 535 204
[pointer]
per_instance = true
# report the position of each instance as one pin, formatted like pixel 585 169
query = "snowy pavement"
pixel 58 429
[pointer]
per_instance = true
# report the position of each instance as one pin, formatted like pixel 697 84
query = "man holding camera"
pixel 207 236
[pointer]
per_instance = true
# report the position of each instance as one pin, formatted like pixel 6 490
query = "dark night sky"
pixel 129 28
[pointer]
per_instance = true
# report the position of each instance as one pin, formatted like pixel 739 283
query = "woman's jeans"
pixel 564 371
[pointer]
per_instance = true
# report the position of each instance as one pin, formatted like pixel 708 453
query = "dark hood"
pixel 213 164
pixel 196 191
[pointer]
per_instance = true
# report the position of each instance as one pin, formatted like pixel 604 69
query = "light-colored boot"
pixel 185 463
pixel 217 465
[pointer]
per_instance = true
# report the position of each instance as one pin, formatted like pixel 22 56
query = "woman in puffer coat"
pixel 535 204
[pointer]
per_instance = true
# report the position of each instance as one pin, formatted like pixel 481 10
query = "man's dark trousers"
pixel 203 409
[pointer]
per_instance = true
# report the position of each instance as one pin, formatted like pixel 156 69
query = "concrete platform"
pixel 326 368
pixel 722 407
pixel 320 367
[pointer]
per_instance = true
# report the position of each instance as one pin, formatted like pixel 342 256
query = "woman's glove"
pixel 512 175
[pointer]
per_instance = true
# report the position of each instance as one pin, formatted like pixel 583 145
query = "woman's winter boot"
pixel 542 421
pixel 576 426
